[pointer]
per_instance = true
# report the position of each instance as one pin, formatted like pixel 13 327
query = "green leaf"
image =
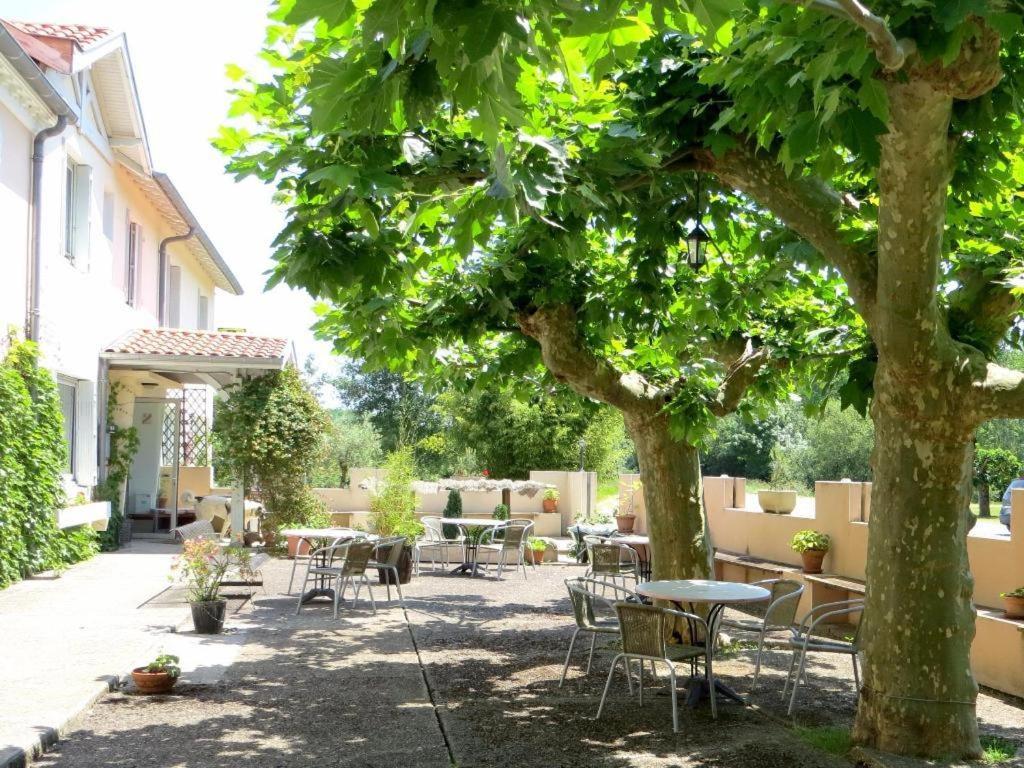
pixel 873 98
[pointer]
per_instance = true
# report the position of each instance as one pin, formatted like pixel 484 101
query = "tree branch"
pixel 1001 394
pixel 808 206
pixel 738 378
pixel 890 52
pixel 566 355
pixel 981 310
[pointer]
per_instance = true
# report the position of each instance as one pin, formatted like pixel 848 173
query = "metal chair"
pixel 386 555
pixel 610 561
pixel 803 641
pixel 310 548
pixel 434 540
pixel 776 614
pixel 354 557
pixel 513 544
pixel 583 596
pixel 643 629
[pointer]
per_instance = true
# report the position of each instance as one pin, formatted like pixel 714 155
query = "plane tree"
pixel 887 139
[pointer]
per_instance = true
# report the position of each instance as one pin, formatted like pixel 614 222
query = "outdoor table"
pixel 639 544
pixel 470 546
pixel 719 594
pixel 317 538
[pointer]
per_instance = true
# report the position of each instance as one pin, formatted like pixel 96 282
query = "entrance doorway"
pixel 152 493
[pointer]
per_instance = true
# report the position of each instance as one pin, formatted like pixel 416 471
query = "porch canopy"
pixel 215 358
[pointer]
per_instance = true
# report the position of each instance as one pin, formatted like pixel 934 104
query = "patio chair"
pixel 610 561
pixel 434 540
pixel 512 545
pixel 643 629
pixel 343 564
pixel 804 641
pixel 583 594
pixel 386 555
pixel 304 558
pixel 776 614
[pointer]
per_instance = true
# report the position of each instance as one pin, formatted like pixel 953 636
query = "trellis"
pixel 194 446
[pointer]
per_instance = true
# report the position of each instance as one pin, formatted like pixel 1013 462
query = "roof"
pixel 22 75
pixel 83 34
pixel 184 343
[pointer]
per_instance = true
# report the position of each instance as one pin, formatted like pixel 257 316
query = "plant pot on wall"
pixel 813 559
pixel 1013 606
pixel 625 523
pixel 777 502
pixel 550 505
pixel 153 682
pixel 208 617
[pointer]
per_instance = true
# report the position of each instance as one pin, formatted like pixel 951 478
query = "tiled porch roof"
pixel 83 34
pixel 178 342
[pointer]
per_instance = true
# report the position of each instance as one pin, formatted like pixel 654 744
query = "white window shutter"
pixel 85 434
pixel 82 215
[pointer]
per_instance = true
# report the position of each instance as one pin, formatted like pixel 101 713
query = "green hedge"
pixel 32 453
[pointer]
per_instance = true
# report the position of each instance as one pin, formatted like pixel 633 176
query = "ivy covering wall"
pixel 32 454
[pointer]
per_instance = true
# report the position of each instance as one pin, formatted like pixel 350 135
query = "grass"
pixel 828 738
pixel 995 749
pixel 607 489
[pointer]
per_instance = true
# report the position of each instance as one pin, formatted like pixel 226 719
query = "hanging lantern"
pixel 698 239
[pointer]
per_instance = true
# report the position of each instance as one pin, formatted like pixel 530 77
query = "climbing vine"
pixel 32 455
pixel 124 444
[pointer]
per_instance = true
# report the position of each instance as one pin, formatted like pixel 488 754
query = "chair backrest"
pixel 200 529
pixel 642 628
pixel 389 551
pixel 432 527
pixel 608 558
pixel 582 603
pixel 516 532
pixel 358 555
pixel 783 604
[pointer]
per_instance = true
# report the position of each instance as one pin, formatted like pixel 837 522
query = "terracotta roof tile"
pixel 177 342
pixel 83 34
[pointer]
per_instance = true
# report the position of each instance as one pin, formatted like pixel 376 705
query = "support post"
pixel 238 513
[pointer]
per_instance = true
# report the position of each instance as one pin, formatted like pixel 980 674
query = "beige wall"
pixel 842 509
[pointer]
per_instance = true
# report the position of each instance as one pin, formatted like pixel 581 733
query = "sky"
pixel 179 55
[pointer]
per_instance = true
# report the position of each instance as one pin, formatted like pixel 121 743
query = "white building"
pixel 103 264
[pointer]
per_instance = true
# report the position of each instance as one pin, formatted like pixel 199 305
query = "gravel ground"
pixel 312 691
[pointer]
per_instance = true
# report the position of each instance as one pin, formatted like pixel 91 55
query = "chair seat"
pixel 325 570
pixel 683 652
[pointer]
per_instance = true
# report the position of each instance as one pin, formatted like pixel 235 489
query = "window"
pixel 68 392
pixel 204 312
pixel 77 182
pixel 108 216
pixel 131 269
pixel 174 298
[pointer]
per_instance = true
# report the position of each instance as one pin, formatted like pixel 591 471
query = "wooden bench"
pixel 203 529
pixel 828 588
pixel 778 570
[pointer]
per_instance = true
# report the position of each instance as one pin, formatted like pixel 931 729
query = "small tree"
pixel 993 467
pixel 268 435
pixel 452 509
pixel 393 506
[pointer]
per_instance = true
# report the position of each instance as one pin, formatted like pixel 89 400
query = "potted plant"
pixel 535 550
pixel 779 497
pixel 159 676
pixel 625 521
pixel 501 512
pixel 1013 603
pixel 551 499
pixel 202 565
pixel 812 546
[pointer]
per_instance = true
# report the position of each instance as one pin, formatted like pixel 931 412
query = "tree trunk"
pixel 670 472
pixel 984 502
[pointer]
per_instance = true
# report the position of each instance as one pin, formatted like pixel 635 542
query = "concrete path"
pixel 68 640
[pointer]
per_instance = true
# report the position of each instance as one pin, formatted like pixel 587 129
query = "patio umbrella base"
pixel 698 690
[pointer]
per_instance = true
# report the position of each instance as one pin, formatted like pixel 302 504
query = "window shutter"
pixel 174 298
pixel 85 434
pixel 81 218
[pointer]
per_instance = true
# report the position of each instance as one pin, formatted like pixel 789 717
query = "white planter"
pixel 96 514
pixel 777 502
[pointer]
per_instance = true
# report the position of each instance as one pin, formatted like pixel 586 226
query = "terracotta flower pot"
pixel 777 502
pixel 1014 607
pixel 550 505
pixel 297 546
pixel 625 523
pixel 535 556
pixel 153 682
pixel 812 560
pixel 208 617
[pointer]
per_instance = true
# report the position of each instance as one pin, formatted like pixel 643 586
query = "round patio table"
pixel 470 546
pixel 639 544
pixel 719 594
pixel 318 538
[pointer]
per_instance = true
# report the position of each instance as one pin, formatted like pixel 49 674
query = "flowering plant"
pixel 486 473
pixel 202 565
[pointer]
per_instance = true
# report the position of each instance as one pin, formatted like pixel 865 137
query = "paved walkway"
pixel 66 640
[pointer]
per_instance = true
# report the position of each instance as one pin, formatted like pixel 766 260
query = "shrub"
pixel 551 494
pixel 165 662
pixel 393 506
pixel 811 540
pixel 1018 592
pixel 202 565
pixel 501 512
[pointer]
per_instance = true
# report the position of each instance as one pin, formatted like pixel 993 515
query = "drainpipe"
pixel 36 217
pixel 162 301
